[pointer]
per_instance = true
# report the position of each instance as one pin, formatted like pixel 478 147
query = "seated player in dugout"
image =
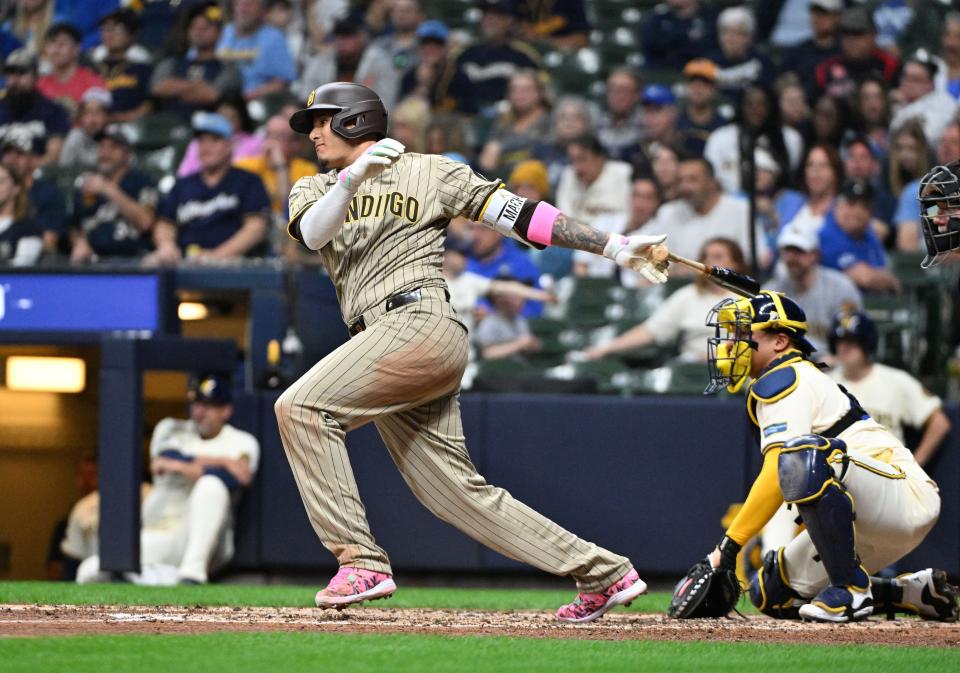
pixel 200 468
pixel 379 223
pixel 864 500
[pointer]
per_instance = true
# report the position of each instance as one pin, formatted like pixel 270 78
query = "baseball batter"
pixel 379 223
pixel 824 454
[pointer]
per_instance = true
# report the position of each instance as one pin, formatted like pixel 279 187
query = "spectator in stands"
pixel 409 122
pixel 872 114
pixel 127 79
pixel 523 131
pixel 822 177
pixel 29 23
pixel 620 127
pixel 492 61
pixel 950 52
pixel 644 201
pixel 794 108
pixel 660 115
pixel 335 64
pixel 93 114
pixel 46 203
pixel 279 165
pixel 819 291
pixel 906 220
pixel 200 466
pixel 701 114
pixel 218 213
pixel 529 179
pixel 677 32
pixel 849 244
pixel 860 164
pixel 739 63
pixel 832 118
pixel 245 141
pixel 390 56
pixel 920 99
pixel 823 44
pixel 679 317
pixel 704 211
pixel 563 23
pixel 891 396
pixel 903 26
pixel 198 79
pixel 27 112
pixel 113 207
pixel 494 256
pixel 505 332
pixel 259 50
pixel 758 115
pixel 774 201
pixel 571 119
pixel 859 59
pixel 67 80
pixel 909 156
pixel 435 78
pixel 665 166
pixel 784 23
pixel 21 240
pixel 593 185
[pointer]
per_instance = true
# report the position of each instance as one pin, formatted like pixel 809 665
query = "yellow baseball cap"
pixel 703 68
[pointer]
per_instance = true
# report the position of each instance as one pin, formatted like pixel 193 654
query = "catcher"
pixel 940 212
pixel 863 498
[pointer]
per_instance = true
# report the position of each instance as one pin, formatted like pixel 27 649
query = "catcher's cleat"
pixel 590 606
pixel 841 604
pixel 355 585
pixel 927 593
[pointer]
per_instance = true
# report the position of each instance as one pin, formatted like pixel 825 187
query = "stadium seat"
pixel 157 131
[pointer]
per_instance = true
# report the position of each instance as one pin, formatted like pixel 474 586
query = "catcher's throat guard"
pixel 940 212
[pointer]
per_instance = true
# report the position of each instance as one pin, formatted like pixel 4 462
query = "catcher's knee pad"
pixel 770 590
pixel 805 467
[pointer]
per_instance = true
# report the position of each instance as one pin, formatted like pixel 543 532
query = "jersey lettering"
pixel 395 203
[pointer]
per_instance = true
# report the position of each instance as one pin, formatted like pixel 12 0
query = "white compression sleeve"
pixel 321 221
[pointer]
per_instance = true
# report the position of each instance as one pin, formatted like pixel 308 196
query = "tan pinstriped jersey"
pixel 392 238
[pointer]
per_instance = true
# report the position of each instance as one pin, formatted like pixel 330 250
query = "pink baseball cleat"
pixel 355 585
pixel 588 607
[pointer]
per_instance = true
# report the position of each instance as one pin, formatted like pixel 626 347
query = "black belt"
pixel 396 301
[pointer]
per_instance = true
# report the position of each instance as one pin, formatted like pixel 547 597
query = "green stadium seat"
pixel 157 131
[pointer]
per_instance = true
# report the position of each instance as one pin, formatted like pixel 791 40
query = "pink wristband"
pixel 540 229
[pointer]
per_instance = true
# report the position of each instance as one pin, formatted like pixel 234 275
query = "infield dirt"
pixel 67 620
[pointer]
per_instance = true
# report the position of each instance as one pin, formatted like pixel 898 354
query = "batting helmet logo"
pixel 311 98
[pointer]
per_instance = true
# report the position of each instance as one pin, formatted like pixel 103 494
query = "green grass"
pixel 350 653
pixel 58 593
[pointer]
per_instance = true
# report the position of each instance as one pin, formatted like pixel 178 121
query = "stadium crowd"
pixel 155 132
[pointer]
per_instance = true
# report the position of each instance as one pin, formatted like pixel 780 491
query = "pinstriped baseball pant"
pixel 403 373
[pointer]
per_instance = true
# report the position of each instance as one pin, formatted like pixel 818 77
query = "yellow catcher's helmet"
pixel 730 349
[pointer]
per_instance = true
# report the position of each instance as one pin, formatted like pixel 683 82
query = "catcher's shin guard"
pixel 807 479
pixel 770 590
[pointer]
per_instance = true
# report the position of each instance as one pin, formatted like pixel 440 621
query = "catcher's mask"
pixel 939 199
pixel 730 350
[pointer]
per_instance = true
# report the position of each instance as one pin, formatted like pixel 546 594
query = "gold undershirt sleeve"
pixel 762 502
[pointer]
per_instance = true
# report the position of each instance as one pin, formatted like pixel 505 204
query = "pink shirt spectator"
pixel 72 89
pixel 244 145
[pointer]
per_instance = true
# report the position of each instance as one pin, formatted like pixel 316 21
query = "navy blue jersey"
pixel 208 216
pixel 489 68
pixel 11 236
pixel 129 83
pixel 48 207
pixel 224 77
pixel 42 119
pixel 108 233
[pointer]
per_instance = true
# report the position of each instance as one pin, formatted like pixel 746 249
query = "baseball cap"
pixel 213 123
pixel 531 172
pixel 433 30
pixel 211 389
pixel 923 57
pixel 209 10
pixel 26 143
pixel 117 133
pixel 764 161
pixel 20 60
pixel 702 68
pixel 857 21
pixel 658 94
pixel 827 5
pixel 96 94
pixel 857 191
pixel 797 237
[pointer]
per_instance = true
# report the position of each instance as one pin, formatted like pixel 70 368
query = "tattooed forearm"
pixel 570 233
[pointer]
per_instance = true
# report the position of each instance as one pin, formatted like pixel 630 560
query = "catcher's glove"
pixel 706 591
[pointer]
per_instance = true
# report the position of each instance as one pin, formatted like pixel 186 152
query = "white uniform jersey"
pixel 892 396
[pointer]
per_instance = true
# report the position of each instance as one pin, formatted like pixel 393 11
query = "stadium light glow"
pixel 46 374
pixel 192 310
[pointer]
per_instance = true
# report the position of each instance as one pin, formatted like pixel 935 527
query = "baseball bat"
pixel 738 283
